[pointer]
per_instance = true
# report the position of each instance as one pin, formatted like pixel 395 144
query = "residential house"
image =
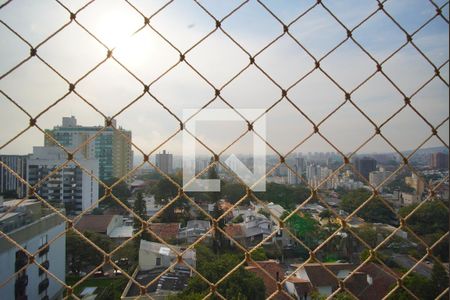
pixel 166 231
pixel 103 224
pixel 154 255
pixel 271 272
pixel 193 231
pixel 371 281
pixel 252 231
pixel 154 259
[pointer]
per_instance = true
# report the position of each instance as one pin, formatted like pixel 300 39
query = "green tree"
pixel 165 191
pixel 304 227
pixel 287 196
pixel 375 211
pixel 140 210
pixel 233 191
pixel 343 296
pixel 419 285
pixel 120 191
pixel 259 254
pixel 439 278
pixel 219 241
pixel 81 254
pixel 430 222
pixel 430 218
pixel 242 284
pixel 400 185
pixel 212 174
pixel 368 234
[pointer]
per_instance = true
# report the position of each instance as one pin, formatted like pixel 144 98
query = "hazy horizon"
pixel 110 88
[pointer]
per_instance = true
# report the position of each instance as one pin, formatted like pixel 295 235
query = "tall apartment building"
pixel 316 174
pixel 71 186
pixel 300 164
pixel 439 161
pixel 36 229
pixel 365 165
pixel 164 161
pixel 10 183
pixel 110 147
pixel 292 177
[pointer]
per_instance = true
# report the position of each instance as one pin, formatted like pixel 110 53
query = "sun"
pixel 116 30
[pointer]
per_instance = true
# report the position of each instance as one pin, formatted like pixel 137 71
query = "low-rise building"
pixel 371 281
pixel 254 228
pixel 272 273
pixel 166 231
pixel 151 206
pixel 409 199
pixel 193 231
pixel 116 227
pixel 154 259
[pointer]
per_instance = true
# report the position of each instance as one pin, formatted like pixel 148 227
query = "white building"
pixel 77 189
pixel 154 255
pixel 35 229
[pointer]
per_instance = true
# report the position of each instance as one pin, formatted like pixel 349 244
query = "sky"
pixel 73 52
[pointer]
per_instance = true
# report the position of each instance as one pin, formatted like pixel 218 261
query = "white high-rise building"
pixel 41 232
pixel 72 186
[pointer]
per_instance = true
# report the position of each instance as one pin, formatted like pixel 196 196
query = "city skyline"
pixel 232 149
pixel 284 61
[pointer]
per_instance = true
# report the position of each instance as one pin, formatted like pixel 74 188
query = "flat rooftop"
pixel 174 281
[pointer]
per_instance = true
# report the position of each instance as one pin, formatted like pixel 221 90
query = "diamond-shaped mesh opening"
pixel 354 96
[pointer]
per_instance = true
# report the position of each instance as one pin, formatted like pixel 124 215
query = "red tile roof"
pixel 166 231
pixel 382 282
pixel 94 223
pixel 319 276
pixel 234 230
pixel 275 270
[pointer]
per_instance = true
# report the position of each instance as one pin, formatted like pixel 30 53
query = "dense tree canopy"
pixel 430 222
pixel 287 196
pixel 241 285
pixel 121 191
pixel 375 211
pixel 422 287
pixel 81 254
pixel 431 217
pixel 400 185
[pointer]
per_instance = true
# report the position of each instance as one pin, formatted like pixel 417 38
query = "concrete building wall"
pixel 9 182
pixel 31 237
pixel 70 184
pixel 116 221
